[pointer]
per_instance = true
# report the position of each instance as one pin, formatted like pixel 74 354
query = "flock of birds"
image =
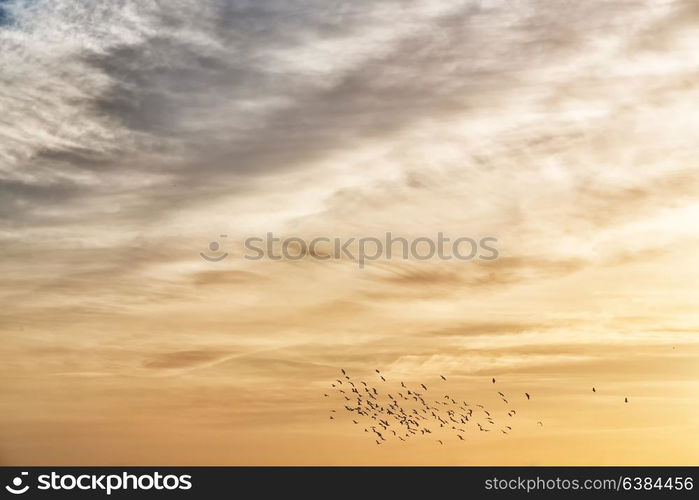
pixel 409 412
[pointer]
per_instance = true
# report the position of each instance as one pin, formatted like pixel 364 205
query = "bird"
pixel 527 394
pixel 540 423
pixel 383 378
pixel 377 371
pixel 343 371
pixel 593 390
pixel 626 400
pixel 493 380
pixel 440 441
pixel 443 377
pixel 423 386
pixel 326 395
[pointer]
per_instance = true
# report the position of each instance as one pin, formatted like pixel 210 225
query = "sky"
pixel 135 132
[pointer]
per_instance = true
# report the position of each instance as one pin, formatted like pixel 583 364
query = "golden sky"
pixel 134 133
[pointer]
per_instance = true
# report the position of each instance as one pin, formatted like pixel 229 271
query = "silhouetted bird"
pixel 423 386
pixel 626 400
pixel 527 394
pixel 443 377
pixel 493 380
pixel 593 390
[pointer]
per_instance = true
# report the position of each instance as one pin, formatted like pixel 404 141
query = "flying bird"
pixel 404 422
pixel 593 390
pixel 626 400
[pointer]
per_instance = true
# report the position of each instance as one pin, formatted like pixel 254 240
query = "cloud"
pixel 183 359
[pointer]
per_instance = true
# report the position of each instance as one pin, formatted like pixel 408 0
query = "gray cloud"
pixel 196 93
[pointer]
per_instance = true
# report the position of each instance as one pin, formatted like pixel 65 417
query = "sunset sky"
pixel 135 132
